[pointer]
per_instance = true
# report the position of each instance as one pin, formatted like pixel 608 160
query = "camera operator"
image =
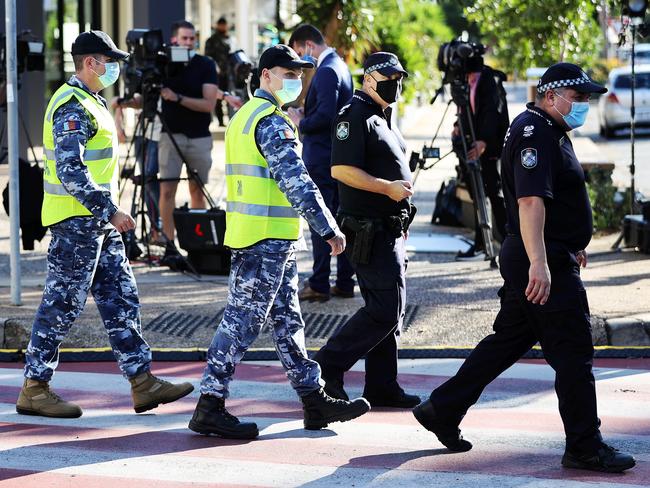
pixel 217 47
pixel 490 119
pixel 187 101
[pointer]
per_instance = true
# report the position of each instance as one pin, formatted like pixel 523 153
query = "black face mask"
pixel 389 90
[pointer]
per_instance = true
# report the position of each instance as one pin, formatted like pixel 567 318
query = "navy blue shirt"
pixel 363 137
pixel 538 160
pixel 189 82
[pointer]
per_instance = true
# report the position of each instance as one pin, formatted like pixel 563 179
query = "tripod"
pixel 633 207
pixel 460 96
pixel 139 200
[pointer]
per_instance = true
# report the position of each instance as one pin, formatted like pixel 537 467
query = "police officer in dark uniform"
pixel 549 224
pixel 369 162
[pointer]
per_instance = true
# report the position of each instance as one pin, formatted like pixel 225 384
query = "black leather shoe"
pixel 311 295
pixel 394 399
pixel 335 291
pixel 606 459
pixel 334 388
pixel 321 409
pixel 448 434
pixel 211 417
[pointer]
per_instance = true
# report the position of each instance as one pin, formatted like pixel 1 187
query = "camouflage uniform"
pixel 85 254
pixel 263 282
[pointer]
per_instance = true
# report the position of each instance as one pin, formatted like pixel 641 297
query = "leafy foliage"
pixel 412 29
pixel 524 33
pixel 346 24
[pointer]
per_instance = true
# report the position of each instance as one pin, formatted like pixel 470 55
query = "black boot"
pixel 606 459
pixel 321 409
pixel 211 417
pixel 447 433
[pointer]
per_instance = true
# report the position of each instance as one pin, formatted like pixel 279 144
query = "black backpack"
pixel 448 210
pixel 31 201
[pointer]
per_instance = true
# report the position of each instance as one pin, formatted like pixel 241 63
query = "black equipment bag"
pixel 31 200
pixel 448 209
pixel 201 233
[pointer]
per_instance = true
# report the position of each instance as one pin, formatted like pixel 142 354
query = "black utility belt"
pixel 361 232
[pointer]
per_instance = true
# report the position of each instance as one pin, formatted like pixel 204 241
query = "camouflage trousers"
pixel 86 256
pixel 263 289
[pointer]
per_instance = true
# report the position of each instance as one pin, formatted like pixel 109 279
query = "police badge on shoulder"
pixel 529 158
pixel 342 131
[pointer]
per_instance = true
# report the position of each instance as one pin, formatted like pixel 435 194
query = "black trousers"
pixel 373 331
pixel 320 277
pixel 563 330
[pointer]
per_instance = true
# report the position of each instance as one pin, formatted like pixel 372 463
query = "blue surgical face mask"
pixel 111 74
pixel 577 115
pixel 309 58
pixel 291 89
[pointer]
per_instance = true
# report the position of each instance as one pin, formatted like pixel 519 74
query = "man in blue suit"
pixel 329 91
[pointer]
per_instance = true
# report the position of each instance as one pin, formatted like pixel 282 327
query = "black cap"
pixel 283 56
pixel 97 42
pixel 386 63
pixel 568 75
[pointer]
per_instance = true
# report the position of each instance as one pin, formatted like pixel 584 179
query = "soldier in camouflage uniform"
pixel 86 252
pixel 264 234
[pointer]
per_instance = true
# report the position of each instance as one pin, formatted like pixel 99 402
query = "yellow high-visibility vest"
pixel 100 156
pixel 256 207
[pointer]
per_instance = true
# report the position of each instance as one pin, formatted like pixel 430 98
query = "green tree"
pixel 524 33
pixel 346 24
pixel 414 31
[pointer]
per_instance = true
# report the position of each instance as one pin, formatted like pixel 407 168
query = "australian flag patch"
pixel 70 125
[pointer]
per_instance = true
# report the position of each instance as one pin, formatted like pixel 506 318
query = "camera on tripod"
pixel 419 159
pixel 150 62
pixel 457 58
pixel 241 68
pixel 29 54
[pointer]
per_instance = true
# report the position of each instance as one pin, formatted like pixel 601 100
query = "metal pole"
pixel 12 145
pixel 632 124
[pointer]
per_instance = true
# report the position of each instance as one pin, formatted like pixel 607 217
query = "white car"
pixel 614 106
pixel 641 54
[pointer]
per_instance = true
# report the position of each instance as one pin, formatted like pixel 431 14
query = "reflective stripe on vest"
pixel 262 210
pixel 100 156
pixel 88 154
pixel 256 208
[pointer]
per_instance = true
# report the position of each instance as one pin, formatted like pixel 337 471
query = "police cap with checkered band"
pixel 386 63
pixel 568 75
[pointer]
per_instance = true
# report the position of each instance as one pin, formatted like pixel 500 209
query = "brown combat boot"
pixel 148 391
pixel 36 398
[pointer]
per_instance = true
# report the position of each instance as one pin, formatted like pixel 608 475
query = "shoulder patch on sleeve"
pixel 529 157
pixel 528 130
pixel 71 125
pixel 286 134
pixel 342 130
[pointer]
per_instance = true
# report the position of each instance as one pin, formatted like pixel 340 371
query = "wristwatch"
pixel 180 98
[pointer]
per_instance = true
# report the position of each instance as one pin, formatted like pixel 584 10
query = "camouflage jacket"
pixel 277 142
pixel 68 151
